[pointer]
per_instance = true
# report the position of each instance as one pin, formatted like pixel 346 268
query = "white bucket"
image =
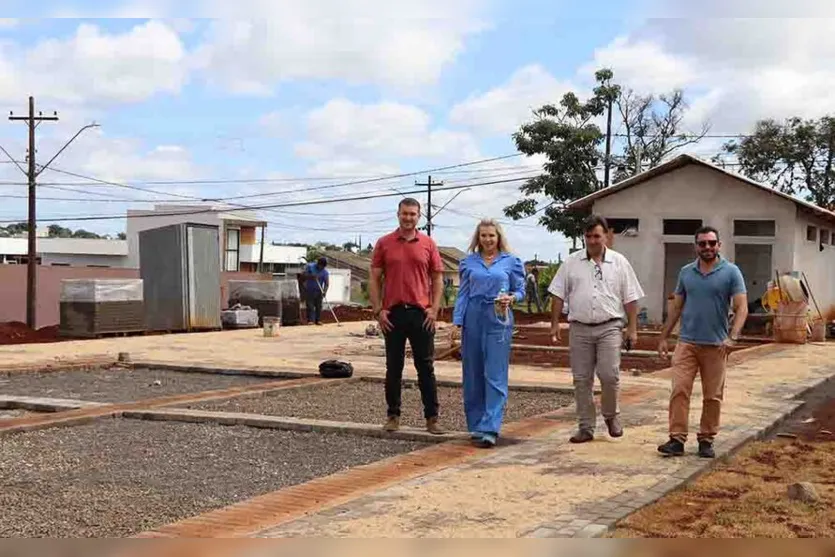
pixel 271 325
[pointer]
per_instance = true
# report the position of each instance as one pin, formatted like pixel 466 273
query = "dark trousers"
pixel 408 325
pixel 314 306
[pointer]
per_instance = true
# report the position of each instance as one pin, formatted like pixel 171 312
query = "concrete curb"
pixel 38 404
pixel 254 372
pixel 291 424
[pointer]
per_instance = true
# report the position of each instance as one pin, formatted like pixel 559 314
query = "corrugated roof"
pixel 682 161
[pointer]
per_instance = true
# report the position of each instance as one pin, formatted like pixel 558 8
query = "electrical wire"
pixel 287 204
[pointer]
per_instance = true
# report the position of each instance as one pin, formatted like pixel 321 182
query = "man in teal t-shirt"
pixel 704 293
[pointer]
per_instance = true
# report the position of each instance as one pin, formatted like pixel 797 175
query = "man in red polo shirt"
pixel 406 288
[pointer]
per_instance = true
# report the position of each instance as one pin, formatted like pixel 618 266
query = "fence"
pixel 13 288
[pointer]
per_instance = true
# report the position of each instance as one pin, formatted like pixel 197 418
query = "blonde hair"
pixel 502 245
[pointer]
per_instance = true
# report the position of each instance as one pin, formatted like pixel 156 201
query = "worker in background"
pixel 317 280
pixel 492 280
pixel 406 290
pixel 532 289
pixel 706 289
pixel 602 292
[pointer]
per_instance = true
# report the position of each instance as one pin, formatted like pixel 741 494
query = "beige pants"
pixel 595 349
pixel 708 362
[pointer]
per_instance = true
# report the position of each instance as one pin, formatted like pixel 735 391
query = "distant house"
pixel 451 257
pixel 66 252
pixel 655 214
pixel 240 237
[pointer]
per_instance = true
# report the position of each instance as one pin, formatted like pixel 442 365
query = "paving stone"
pixel 544 532
pixel 592 531
pixel 580 523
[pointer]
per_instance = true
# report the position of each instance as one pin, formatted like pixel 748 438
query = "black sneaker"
pixel 673 447
pixel 706 449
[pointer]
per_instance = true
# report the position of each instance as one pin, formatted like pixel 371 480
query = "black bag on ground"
pixel 334 369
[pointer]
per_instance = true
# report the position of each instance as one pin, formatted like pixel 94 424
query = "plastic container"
pixel 818 331
pixel 261 295
pixel 92 307
pixel 271 326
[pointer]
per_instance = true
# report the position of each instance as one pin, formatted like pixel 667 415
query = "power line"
pixel 282 205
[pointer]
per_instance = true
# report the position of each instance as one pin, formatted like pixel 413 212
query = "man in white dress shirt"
pixel 602 292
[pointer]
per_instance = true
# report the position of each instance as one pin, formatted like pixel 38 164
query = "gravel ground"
pixel 364 402
pixel 118 385
pixel 118 477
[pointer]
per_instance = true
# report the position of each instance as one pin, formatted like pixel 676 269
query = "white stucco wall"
pixel 693 192
pixel 818 265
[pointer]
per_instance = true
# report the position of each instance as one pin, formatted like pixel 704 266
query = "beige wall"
pixel 693 192
pixel 819 266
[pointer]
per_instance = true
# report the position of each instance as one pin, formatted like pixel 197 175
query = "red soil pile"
pixel 15 332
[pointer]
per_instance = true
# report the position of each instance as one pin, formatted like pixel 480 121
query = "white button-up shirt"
pixel 596 293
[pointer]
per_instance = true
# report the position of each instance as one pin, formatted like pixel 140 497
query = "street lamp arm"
pixel 62 149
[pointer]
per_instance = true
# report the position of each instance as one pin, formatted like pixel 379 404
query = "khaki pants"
pixel 595 348
pixel 709 363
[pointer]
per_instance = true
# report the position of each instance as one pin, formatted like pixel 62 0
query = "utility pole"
pixel 429 183
pixel 32 122
pixel 608 161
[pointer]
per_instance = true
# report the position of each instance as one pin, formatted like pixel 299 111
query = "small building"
pixel 655 214
pixel 241 233
pixel 66 252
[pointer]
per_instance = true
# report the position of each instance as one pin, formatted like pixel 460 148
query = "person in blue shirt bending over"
pixel 491 281
pixel 315 289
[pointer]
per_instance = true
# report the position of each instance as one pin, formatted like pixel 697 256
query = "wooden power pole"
pixel 429 183
pixel 32 121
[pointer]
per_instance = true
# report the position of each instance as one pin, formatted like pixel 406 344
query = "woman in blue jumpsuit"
pixel 491 280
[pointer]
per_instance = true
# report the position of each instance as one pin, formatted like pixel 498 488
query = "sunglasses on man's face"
pixel 705 243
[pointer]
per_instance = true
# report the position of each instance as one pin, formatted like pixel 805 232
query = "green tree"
pixel 574 145
pixel 122 236
pixel 569 137
pixel 14 230
pixel 796 157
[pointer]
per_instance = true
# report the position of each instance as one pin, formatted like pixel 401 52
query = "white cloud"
pixel 643 65
pixel 382 132
pixel 356 41
pixel 733 71
pixel 96 66
pixel 502 109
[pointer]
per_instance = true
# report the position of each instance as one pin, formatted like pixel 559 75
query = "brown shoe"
pixel 392 423
pixel 433 427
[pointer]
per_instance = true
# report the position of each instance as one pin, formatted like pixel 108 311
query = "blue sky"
pixel 341 90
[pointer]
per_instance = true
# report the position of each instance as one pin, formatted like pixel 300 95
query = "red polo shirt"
pixel 407 268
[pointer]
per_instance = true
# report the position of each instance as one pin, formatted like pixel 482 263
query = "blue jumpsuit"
pixel 485 340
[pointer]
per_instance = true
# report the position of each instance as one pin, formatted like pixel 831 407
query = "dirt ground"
pixel 19 333
pixel 551 359
pixel 747 497
pixel 540 336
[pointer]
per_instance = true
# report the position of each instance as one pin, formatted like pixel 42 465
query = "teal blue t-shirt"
pixel 707 298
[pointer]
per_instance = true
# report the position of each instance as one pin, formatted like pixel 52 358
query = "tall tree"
pixel 569 137
pixel 652 130
pixel 796 156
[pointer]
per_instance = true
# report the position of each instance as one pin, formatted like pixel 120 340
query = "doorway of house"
pixel 676 256
pixel 754 260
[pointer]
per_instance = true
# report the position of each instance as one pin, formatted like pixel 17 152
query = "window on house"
pixel 811 233
pixel 755 228
pixel 618 226
pixel 824 236
pixel 233 248
pixel 681 227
